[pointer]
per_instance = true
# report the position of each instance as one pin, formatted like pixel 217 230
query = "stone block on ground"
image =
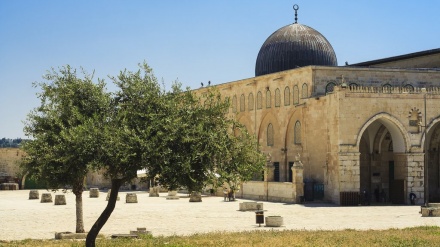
pixel 274 221
pixel 195 197
pixel 172 195
pixel 70 235
pixel 141 231
pixel 433 210
pixel 94 192
pixel 34 194
pixel 131 198
pixel 154 192
pixel 250 206
pixel 74 235
pixel 60 200
pixel 125 236
pixel 46 197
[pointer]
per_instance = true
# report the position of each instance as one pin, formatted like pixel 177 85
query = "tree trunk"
pixel 79 214
pixel 105 215
pixel 78 190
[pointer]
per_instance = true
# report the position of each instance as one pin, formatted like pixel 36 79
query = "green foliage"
pixel 63 127
pixel 59 152
pixel 183 138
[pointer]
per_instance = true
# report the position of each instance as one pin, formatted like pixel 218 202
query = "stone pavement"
pixel 21 218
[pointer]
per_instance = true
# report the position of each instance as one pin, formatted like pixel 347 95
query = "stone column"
pixel 270 172
pixel 415 176
pixel 298 181
pixel 268 175
pixel 349 171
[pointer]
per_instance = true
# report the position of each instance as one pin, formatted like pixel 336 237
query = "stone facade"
pixel 9 162
pixel 355 129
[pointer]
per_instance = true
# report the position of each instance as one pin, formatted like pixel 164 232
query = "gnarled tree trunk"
pixel 105 215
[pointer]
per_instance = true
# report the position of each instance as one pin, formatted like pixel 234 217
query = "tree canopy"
pixel 59 153
pixel 182 137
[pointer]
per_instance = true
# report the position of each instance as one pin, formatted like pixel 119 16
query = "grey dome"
pixel 294 46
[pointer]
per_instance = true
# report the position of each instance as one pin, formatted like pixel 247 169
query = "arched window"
pixel 295 95
pixel 297 133
pixel 259 100
pixel 270 135
pixel 268 99
pixel 277 98
pixel 305 91
pixel 287 96
pixel 234 103
pixel 329 87
pixel 251 102
pixel 353 85
pixel 409 88
pixel 242 103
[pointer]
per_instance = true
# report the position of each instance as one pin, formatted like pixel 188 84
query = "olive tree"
pixel 59 151
pixel 175 134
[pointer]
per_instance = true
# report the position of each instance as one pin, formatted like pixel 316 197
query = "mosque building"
pixel 332 133
pixel 344 134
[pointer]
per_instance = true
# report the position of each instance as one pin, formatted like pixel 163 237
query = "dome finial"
pixel 296 7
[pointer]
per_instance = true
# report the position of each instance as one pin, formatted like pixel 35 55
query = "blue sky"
pixel 192 41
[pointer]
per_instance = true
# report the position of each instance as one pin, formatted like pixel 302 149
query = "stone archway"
pixel 383 161
pixel 433 161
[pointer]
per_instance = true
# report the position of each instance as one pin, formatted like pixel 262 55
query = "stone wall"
pixel 9 161
pixel 268 191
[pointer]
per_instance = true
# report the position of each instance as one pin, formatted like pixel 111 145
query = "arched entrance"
pixel 383 161
pixel 433 160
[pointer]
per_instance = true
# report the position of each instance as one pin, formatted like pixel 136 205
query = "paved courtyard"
pixel 21 218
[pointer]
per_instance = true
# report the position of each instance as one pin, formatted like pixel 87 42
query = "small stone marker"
pixel 70 235
pixel 195 197
pixel 154 192
pixel 34 194
pixel 433 210
pixel 131 198
pixel 124 236
pixel 140 231
pixel 250 206
pixel 60 200
pixel 46 197
pixel 94 193
pixel 172 195
pixel 274 221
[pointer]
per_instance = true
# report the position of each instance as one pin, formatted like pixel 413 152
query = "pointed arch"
pixel 270 134
pixel 431 126
pixel 286 96
pixel 297 132
pixel 295 95
pixel 268 99
pixel 401 140
pixel 330 87
pixel 259 100
pixel 251 102
pixel 242 103
pixel 267 119
pixel 277 97
pixel 305 91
